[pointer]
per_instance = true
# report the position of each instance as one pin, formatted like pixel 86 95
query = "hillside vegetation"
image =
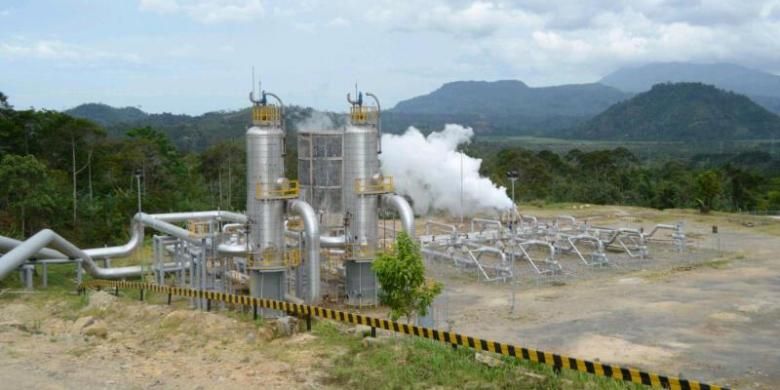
pixel 503 107
pixel 761 87
pixel 682 111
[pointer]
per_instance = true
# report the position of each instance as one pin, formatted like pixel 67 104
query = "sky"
pixel 194 56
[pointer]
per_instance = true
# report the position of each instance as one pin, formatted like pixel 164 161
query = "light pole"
pixel 138 187
pixel 461 187
pixel 513 176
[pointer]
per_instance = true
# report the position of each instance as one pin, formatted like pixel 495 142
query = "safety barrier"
pixel 307 311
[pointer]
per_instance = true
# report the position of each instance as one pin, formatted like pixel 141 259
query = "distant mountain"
pixel 106 115
pixel 189 133
pixel 503 107
pixel 682 111
pixel 762 87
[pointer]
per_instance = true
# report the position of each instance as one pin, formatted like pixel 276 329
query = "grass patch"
pixel 407 362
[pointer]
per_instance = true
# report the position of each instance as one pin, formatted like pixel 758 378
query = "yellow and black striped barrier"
pixel 550 359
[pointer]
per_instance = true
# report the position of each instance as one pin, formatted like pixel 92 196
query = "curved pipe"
pixel 228 227
pixel 47 237
pixel 488 249
pixel 405 211
pixel 7 244
pixel 378 122
pixel 484 222
pixel 429 223
pixel 312 231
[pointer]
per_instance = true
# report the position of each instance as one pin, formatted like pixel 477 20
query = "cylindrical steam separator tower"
pixel 363 184
pixel 267 192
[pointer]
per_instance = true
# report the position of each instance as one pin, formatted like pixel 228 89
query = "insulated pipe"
pixel 218 215
pixel 378 122
pixel 430 223
pixel 312 231
pixel 231 249
pixel 136 239
pixel 484 222
pixel 46 237
pixel 660 227
pixel 404 210
pixel 7 244
pixel 231 226
pixel 325 241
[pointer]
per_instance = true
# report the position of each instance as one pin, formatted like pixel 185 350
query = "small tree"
pixel 401 274
pixel 707 189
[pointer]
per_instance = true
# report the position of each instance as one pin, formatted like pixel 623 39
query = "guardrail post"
pixel 116 290
pixel 169 296
pixel 142 294
pixel 254 311
pixel 208 304
pixel 373 332
pixel 308 322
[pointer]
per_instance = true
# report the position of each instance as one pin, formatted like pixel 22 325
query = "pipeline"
pixel 161 222
pixel 485 222
pixel 404 210
pixel 312 230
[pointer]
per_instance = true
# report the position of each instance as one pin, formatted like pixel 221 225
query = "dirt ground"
pixel 129 345
pixel 706 314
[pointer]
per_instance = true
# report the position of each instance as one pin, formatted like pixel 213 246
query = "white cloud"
pixel 5 12
pixel 58 50
pixel 208 11
pixel 548 42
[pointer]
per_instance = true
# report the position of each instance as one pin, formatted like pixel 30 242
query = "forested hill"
pixel 503 107
pixel 761 87
pixel 106 115
pixel 682 111
pixel 188 133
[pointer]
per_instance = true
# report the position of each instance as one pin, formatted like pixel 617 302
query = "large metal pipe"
pixel 405 211
pixel 217 215
pixel 312 232
pixel 16 257
pixel 7 244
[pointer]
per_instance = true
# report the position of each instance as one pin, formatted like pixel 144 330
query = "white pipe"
pixel 404 210
pixel 226 228
pixel 482 221
pixel 312 231
pixel 46 237
pixel 8 244
pixel 430 223
pixel 231 249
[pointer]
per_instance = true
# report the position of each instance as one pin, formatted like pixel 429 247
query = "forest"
pixel 68 174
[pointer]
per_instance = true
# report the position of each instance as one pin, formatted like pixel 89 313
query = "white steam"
pixel 428 169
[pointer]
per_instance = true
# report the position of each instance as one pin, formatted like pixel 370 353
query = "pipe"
pixel 231 226
pixel 232 249
pixel 8 244
pixel 46 237
pixel 312 230
pixel 218 215
pixel 429 223
pixel 404 210
pixel 378 122
pixel 482 221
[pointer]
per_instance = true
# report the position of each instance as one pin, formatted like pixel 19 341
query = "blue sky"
pixel 194 56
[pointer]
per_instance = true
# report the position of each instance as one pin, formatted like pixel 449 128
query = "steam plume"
pixel 429 170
